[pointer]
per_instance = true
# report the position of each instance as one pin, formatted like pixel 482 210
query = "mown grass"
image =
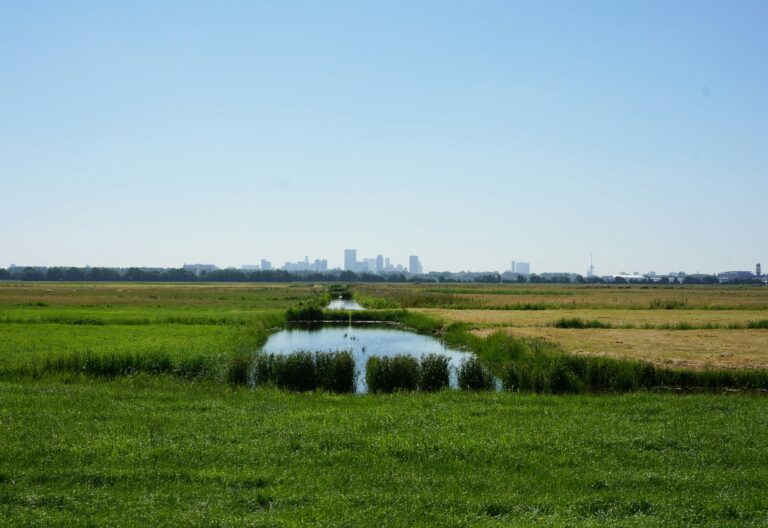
pixel 157 452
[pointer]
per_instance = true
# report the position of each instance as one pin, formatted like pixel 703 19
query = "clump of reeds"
pixel 126 364
pixel 473 375
pixel 305 371
pixel 335 371
pixel 390 374
pixel 433 372
pixel 239 368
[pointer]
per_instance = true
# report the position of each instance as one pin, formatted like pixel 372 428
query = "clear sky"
pixel 470 133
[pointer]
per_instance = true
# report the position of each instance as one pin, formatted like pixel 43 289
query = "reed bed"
pixel 306 371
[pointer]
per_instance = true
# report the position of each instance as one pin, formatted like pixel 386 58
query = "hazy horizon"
pixel 468 133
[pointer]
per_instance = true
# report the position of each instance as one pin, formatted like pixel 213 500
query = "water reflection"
pixel 344 304
pixel 362 342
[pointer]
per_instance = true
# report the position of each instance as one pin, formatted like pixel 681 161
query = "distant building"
pixel 522 268
pixel 735 276
pixel 379 264
pixel 266 265
pixel 306 265
pixel 350 259
pixel 414 265
pixel 758 270
pixel 250 267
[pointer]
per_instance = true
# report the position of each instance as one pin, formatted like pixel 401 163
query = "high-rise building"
pixel 379 264
pixel 512 267
pixel 523 268
pixel 350 259
pixel 266 265
pixel 414 266
pixel 758 270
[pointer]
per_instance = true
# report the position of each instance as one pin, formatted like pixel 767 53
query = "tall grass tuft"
pixel 239 368
pixel 433 373
pixel 473 375
pixel 296 372
pixel 335 371
pixel 305 371
pixel 576 322
pixel 390 374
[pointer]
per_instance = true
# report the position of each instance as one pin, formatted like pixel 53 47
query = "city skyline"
pixel 382 265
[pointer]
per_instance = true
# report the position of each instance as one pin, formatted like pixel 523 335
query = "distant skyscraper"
pixel 523 268
pixel 512 267
pixel 266 265
pixel 350 259
pixel 758 270
pixel 379 264
pixel 414 266
pixel 387 263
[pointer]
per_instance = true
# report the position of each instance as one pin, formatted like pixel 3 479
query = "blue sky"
pixel 469 133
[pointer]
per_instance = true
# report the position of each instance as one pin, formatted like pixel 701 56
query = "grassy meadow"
pixel 179 445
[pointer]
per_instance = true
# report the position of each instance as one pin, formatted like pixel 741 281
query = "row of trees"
pixel 182 275
pixel 234 275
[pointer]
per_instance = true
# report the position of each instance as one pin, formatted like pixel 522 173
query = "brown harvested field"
pixel 692 348
pixel 615 317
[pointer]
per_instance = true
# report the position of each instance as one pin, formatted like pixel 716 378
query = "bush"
pixel 433 372
pixel 389 374
pixel 311 311
pixel 473 375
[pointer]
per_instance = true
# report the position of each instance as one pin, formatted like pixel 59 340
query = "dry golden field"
pixel 615 318
pixel 694 326
pixel 683 348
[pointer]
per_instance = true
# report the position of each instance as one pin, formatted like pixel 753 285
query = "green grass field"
pixel 149 452
pixel 167 450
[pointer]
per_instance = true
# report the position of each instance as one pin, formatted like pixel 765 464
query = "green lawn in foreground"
pixel 155 451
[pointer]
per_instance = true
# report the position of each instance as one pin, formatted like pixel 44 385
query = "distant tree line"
pixel 235 275
pixel 182 275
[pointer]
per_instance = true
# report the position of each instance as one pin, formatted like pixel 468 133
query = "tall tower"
pixel 414 266
pixel 758 270
pixel 350 259
pixel 591 269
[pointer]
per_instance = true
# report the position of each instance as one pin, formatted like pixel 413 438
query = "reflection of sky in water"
pixel 344 304
pixel 362 342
